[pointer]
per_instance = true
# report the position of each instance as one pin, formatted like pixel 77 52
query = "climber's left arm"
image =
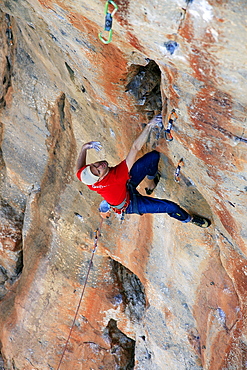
pixel 139 142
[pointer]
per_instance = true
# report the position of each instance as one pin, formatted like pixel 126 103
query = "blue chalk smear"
pixel 171 46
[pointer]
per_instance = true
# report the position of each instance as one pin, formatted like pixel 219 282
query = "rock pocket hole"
pixel 6 82
pixel 71 72
pixel 143 82
pixel 1 362
pixel 131 291
pixel 122 347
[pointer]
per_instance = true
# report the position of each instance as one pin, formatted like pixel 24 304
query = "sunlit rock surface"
pixel 160 294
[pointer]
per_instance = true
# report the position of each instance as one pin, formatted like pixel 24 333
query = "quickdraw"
pixel 178 169
pixel 159 126
pixel 171 119
pixel 108 21
pixel 122 217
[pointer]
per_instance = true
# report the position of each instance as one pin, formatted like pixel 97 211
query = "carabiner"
pixel 171 119
pixel 168 135
pixel 173 113
pixel 108 21
pixel 178 169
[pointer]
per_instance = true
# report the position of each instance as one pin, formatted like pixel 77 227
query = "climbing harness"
pixel 105 208
pixel 177 172
pixel 97 233
pixel 121 208
pixel 108 21
pixel 171 119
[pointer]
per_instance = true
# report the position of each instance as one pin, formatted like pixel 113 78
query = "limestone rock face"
pixel 160 294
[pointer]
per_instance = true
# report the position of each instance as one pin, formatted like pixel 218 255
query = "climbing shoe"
pixel 156 181
pixel 200 221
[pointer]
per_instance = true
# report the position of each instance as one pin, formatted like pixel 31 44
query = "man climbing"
pixel 117 185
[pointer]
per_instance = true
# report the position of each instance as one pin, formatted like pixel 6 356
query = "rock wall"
pixel 160 294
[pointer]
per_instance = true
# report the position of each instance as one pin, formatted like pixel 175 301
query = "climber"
pixel 117 185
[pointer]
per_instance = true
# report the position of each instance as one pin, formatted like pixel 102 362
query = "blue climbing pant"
pixel 139 204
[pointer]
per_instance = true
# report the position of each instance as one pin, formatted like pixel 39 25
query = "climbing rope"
pixel 97 234
pixel 108 21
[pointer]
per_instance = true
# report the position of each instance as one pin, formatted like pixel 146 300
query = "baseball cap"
pixel 87 177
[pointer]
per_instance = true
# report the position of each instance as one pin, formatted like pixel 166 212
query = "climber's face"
pixel 100 169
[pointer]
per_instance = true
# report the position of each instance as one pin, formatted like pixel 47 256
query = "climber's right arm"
pixel 81 161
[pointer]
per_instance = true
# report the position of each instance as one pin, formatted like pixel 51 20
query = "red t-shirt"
pixel 112 187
